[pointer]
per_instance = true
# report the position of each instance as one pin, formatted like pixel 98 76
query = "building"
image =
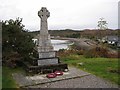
pixel 113 40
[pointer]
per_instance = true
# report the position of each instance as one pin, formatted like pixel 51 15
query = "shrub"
pixel 11 59
pixel 66 52
pixel 96 52
pixel 112 55
pixel 110 69
pixel 80 52
pixel 16 42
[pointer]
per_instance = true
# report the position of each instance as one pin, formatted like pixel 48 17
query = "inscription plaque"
pixel 48 61
pixel 47 54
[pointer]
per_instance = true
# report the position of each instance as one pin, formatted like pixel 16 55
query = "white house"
pixel 111 40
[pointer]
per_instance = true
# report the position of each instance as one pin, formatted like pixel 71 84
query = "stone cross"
pixel 45 46
pixel 44 14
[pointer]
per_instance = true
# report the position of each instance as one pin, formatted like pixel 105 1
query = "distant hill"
pixel 61 33
pixel 98 33
pixel 83 33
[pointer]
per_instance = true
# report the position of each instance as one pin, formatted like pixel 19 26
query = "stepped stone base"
pixel 42 69
pixel 45 65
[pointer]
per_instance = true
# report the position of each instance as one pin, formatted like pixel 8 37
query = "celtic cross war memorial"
pixel 47 61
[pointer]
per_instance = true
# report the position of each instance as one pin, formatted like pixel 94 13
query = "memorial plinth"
pixel 47 56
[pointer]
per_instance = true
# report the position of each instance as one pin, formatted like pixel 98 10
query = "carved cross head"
pixel 43 13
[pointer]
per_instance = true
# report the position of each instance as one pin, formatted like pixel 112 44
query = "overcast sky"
pixel 64 14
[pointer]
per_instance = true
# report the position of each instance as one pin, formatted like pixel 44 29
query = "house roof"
pixel 112 38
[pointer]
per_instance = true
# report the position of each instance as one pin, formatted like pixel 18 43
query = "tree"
pixel 102 24
pixel 16 41
pixel 74 35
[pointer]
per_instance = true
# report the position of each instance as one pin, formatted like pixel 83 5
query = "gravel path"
pixel 89 81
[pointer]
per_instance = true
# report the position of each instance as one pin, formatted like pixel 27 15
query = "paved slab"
pixel 25 81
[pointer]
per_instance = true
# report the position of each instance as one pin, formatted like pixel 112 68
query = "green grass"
pixel 97 66
pixel 7 79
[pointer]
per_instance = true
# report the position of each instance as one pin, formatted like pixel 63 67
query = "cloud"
pixel 75 14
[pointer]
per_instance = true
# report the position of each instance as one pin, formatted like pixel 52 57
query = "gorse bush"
pixel 64 52
pixel 80 52
pixel 96 52
pixel 91 53
pixel 113 55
